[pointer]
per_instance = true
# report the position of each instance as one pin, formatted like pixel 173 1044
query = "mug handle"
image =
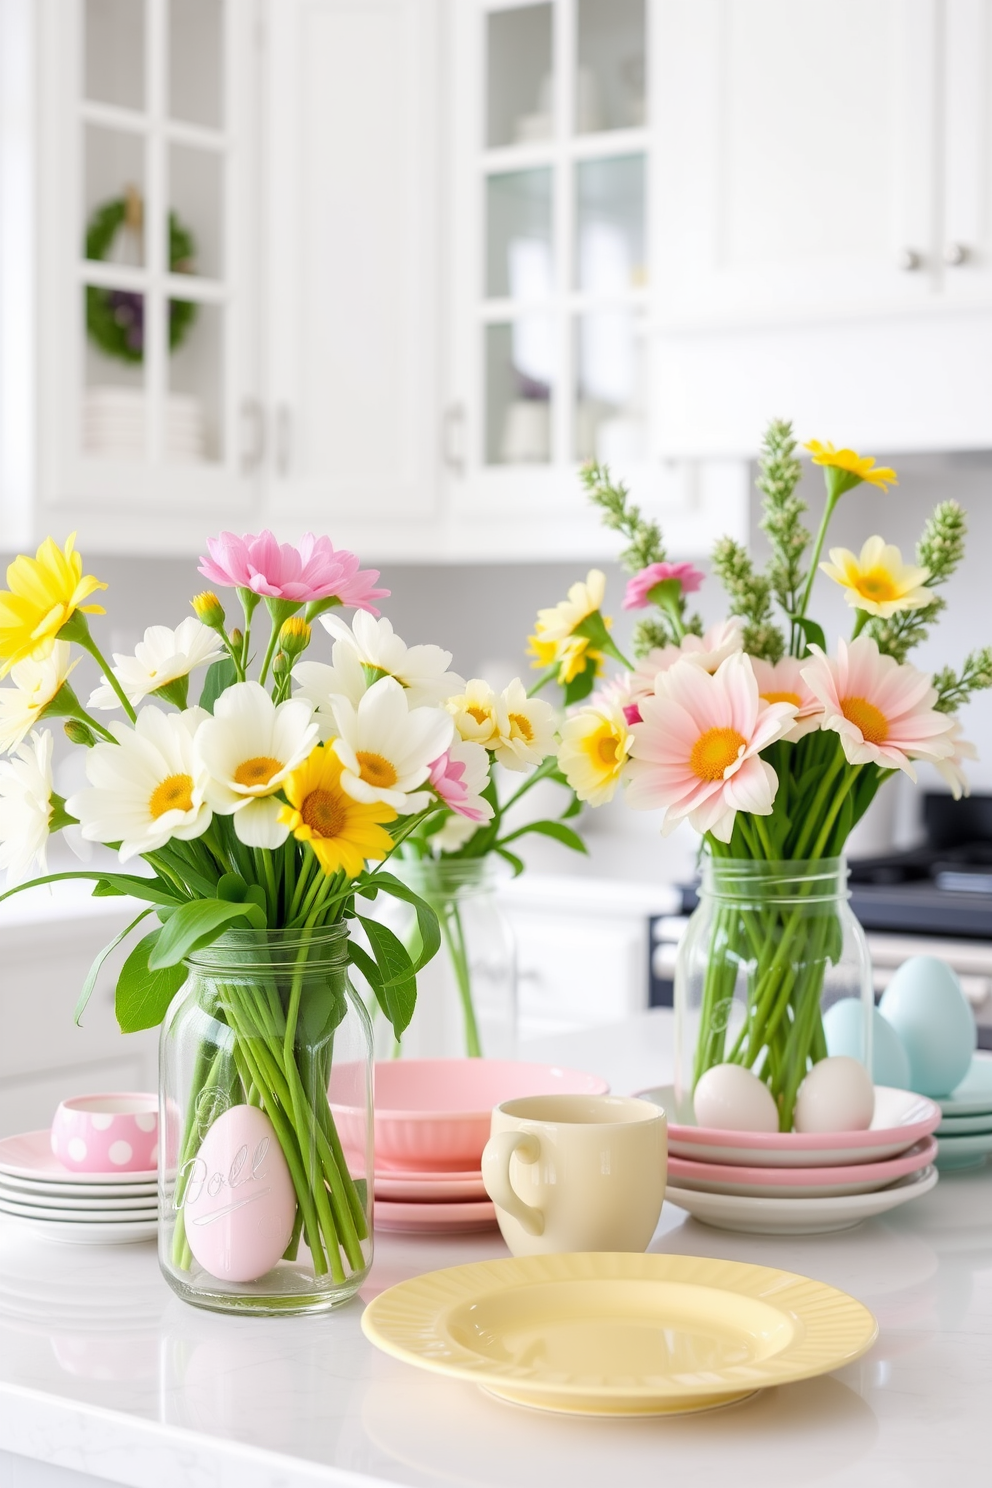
pixel 496 1176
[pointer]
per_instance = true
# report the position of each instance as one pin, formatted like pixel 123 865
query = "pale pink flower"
pixel 617 693
pixel 707 651
pixel 783 682
pixel 459 777
pixel 951 768
pixel 883 711
pixel 696 754
pixel 312 571
pixel 637 596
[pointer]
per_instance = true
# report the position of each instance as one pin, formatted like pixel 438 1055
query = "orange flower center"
pixel 876 584
pixel 375 770
pixel 522 726
pixel 870 720
pixel 257 771
pixel 783 697
pixel 324 814
pixel 607 748
pixel 714 751
pixel 175 793
pixel 478 713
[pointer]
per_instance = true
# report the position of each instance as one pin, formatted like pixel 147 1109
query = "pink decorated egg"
pixel 237 1197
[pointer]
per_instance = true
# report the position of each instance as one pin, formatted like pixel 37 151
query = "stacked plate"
pixel 38 1193
pixel 792 1183
pixel 964 1136
pixel 114 425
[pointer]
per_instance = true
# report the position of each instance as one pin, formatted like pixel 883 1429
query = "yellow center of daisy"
pixel 606 749
pixel 173 794
pixel 479 714
pixel 376 770
pixel 714 751
pixel 877 584
pixel 257 771
pixel 870 720
pixel 522 725
pixel 324 813
pixel 783 697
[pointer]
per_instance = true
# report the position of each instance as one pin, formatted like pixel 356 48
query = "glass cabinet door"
pixel 156 280
pixel 561 172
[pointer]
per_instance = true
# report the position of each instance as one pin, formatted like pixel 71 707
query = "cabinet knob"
pixel 909 260
pixel 253 436
pixel 955 254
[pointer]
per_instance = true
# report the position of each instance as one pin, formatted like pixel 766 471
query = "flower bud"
pixel 78 732
pixel 281 664
pixel 236 639
pixel 209 609
pixel 294 636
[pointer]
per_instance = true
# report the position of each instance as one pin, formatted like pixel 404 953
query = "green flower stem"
pixel 270 651
pixel 828 512
pixel 850 777
pixel 454 939
pixel 543 680
pixel 76 629
pixel 815 813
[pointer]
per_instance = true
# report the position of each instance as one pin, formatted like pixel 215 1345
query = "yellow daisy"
pixel 852 468
pixel 594 747
pixel 45 592
pixel 877 580
pixel 344 833
pixel 584 599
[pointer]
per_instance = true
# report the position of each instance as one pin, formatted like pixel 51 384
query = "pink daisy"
pixel 883 711
pixel 707 651
pixel 312 571
pixel 638 593
pixel 696 754
pixel 952 768
pixel 460 776
pixel 783 682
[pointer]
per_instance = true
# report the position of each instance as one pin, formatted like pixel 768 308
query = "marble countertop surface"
pixel 104 1371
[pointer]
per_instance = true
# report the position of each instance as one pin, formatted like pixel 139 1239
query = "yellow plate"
pixel 604 1334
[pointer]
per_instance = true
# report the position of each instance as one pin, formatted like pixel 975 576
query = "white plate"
pixel 67 1233
pixel 77 1216
pixel 798 1216
pixel 429 1187
pixel 800 1183
pixel 964 1151
pixel 30 1155
pixel 973 1097
pixel 901 1118
pixel 18 1199
pixel 70 1190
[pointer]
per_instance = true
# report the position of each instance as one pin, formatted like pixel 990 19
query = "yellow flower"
pixel 209 610
pixel 554 642
pixel 595 744
pixel 344 833
pixel 45 592
pixel 584 599
pixel 479 714
pixel 878 581
pixel 853 468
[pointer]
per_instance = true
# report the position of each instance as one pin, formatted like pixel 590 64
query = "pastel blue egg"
pixel 925 1005
pixel 843 1024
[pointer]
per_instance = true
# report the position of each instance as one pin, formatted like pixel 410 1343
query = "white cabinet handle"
pixel 253 434
pixel 453 438
pixel 909 260
pixel 284 439
pixel 955 254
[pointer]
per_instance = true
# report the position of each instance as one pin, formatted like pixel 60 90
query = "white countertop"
pixel 103 1370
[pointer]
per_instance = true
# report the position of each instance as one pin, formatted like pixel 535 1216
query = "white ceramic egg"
pixel 731 1098
pixel 843 1024
pixel 925 1005
pixel 836 1096
pixel 239 1203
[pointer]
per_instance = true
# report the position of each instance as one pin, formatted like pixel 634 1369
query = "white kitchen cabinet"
pixel 353 274
pixel 966 230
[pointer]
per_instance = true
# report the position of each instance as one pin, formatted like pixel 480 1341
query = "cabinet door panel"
pixel 797 169
pixel 352 262
pixel 967 237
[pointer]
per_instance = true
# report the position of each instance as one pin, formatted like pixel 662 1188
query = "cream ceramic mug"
pixel 576 1172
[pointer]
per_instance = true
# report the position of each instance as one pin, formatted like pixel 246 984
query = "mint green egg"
pixel 925 1005
pixel 843 1024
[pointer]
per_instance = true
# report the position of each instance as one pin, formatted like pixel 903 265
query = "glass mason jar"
pixel 266 1114
pixel 467 995
pixel 770 948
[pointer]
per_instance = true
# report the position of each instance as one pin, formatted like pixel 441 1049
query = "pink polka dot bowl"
pixel 115 1133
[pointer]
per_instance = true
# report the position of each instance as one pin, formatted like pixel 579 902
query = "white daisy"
pixel 162 657
pixel 146 788
pixel 387 748
pixel 421 670
pixel 35 685
pixel 527 729
pixel 321 684
pixel 249 747
pixel 26 807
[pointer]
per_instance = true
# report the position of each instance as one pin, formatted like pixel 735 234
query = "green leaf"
pixel 427 924
pixel 517 864
pixel 555 829
pixel 574 808
pixel 232 888
pixel 580 687
pixel 389 972
pixel 98 961
pixel 144 994
pixel 197 924
pixel 118 883
pixel 220 675
pixel 812 632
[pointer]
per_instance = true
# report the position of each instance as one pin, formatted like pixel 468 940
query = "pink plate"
pixel 435 1219
pixel 30 1155
pixel 901 1118
pixel 435 1113
pixel 804 1183
pixel 430 1188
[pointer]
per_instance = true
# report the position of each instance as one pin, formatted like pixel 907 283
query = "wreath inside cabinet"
pixel 115 318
